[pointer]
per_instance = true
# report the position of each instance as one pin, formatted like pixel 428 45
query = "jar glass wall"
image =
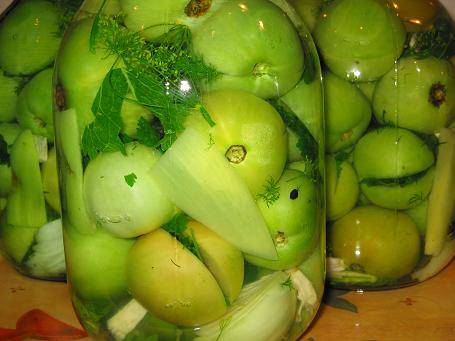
pixel 30 225
pixel 390 142
pixel 190 147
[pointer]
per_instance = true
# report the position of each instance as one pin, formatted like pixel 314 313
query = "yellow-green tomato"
pixel 96 263
pixel 29 37
pixel 171 282
pixel 121 194
pixel 8 97
pixel 342 187
pixel 291 213
pixel 248 131
pixel 385 243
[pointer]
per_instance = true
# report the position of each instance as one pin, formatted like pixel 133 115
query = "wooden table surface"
pixel 422 312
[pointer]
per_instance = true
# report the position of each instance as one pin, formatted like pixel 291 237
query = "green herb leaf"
pixel 394 181
pixel 288 283
pixel 130 179
pixel 146 134
pixel 102 135
pixel 271 192
pixel 340 157
pixel 177 227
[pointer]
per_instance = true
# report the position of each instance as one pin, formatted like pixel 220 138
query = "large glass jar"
pixel 30 224
pixel 390 139
pixel 190 148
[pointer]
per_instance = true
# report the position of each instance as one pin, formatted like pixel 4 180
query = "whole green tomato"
pixel 384 243
pixel 34 105
pixel 29 37
pixel 359 40
pixel 248 131
pixel 429 84
pixel 292 220
pixel 309 10
pixel 347 113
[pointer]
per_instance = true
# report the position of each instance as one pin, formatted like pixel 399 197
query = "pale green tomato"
pixel 248 131
pixel 342 189
pixel 390 153
pixel 254 45
pixel 29 37
pixel 8 97
pixel 359 40
pixel 111 7
pixel 418 95
pixel 419 216
pixel 385 243
pixel 292 221
pixel 368 89
pixel 347 113
pixel 34 105
pixel 96 263
pixel 171 282
pixel 121 194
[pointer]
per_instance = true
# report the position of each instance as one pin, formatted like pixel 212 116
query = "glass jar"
pixel 390 140
pixel 30 224
pixel 191 157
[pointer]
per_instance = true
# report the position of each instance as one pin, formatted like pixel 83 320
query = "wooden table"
pixel 422 312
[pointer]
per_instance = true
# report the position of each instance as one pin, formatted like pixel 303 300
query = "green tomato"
pixel 6 180
pixel 248 131
pixel 254 45
pixel 10 131
pixel 121 194
pixel 292 221
pixel 368 89
pixel 419 215
pixel 348 113
pixel 8 97
pixel 111 7
pixel 342 188
pixel 359 40
pixel 96 263
pixel 171 282
pixel 389 153
pixel 418 95
pixel 385 243
pixel 80 81
pixel 28 39
pixel 34 105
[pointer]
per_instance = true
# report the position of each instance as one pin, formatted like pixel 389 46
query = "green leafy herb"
pixel 438 41
pixel 162 75
pixel 340 157
pixel 4 155
pixel 288 283
pixel 68 9
pixel 394 181
pixel 146 134
pixel 416 198
pixel 102 135
pixel 130 179
pixel 178 227
pixel 271 192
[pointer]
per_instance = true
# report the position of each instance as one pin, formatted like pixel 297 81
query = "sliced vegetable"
pixel 46 257
pixel 200 181
pixel 272 298
pixel 442 197
pixel 125 320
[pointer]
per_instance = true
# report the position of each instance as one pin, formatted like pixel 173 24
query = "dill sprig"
pixel 288 283
pixel 162 75
pixel 271 192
